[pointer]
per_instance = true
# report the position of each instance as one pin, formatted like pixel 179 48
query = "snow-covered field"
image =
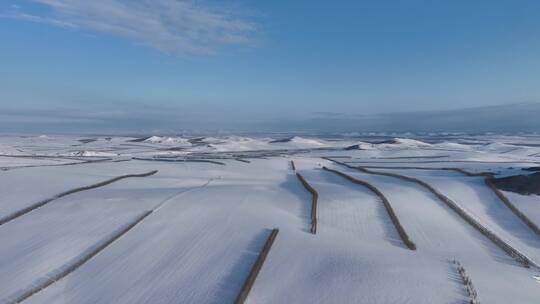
pixel 214 201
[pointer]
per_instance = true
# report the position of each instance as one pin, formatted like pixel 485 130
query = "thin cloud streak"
pixel 179 27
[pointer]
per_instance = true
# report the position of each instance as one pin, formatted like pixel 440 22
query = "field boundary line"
pixel 250 280
pixel 393 217
pixel 465 215
pixel 44 202
pixel 75 263
pixel 488 180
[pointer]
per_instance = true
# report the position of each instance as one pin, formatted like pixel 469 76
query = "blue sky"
pixel 224 61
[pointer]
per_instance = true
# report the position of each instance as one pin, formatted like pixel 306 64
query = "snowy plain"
pixel 214 200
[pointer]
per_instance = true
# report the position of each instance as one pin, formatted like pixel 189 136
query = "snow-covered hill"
pixel 91 222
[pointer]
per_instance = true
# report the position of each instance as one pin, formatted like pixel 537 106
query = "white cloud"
pixel 172 26
pixel 39 19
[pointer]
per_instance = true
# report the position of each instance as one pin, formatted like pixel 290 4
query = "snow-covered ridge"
pixel 308 142
pixel 299 142
pixel 407 142
pixel 238 143
pixel 167 140
pixel 86 153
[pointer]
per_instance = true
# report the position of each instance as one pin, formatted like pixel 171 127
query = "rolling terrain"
pixel 196 219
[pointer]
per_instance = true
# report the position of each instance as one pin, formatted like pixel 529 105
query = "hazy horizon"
pixel 509 119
